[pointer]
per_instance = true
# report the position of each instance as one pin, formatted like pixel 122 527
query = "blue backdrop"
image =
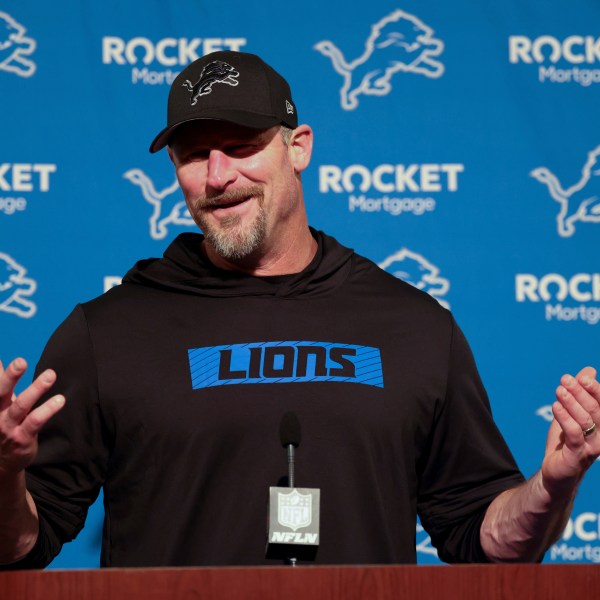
pixel 456 145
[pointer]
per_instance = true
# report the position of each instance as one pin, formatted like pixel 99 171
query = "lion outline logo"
pixel 578 203
pixel 15 288
pixel 217 71
pixel 14 47
pixel 167 207
pixel 424 545
pixel 419 272
pixel 398 42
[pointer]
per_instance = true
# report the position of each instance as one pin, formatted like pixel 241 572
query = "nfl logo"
pixel 295 510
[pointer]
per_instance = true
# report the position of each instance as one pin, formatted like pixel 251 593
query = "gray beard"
pixel 233 239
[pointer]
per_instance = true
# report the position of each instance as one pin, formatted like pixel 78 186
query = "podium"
pixel 460 582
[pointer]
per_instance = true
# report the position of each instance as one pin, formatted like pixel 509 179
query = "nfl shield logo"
pixel 295 510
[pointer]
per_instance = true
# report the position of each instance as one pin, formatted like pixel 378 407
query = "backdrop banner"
pixel 454 146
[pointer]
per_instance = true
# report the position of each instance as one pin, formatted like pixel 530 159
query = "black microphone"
pixel 289 430
pixel 293 513
pixel 290 435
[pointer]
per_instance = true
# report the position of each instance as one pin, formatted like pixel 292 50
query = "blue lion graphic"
pixel 14 47
pixel 398 42
pixel 15 288
pixel 419 272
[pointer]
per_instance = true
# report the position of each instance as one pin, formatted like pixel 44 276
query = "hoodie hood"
pixel 185 269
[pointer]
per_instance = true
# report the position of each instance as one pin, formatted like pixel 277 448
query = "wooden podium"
pixel 468 582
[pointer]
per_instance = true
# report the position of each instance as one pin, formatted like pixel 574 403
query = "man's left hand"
pixel 573 442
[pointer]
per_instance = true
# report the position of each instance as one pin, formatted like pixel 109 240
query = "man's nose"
pixel 220 170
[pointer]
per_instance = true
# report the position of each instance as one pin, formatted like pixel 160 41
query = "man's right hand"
pixel 19 428
pixel 19 425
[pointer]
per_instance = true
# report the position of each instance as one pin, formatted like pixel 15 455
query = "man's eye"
pixel 238 149
pixel 198 155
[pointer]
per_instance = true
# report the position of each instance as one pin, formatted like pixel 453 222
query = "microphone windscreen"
pixel 289 430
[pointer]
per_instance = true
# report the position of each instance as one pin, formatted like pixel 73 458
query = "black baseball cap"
pixel 230 86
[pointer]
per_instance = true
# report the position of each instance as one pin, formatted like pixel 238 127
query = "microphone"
pixel 290 436
pixel 293 513
pixel 289 430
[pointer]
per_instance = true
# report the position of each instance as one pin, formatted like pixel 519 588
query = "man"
pixel 176 381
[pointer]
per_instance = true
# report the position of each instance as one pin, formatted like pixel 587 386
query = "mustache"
pixel 228 197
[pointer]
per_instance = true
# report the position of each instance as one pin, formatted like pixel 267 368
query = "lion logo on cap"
pixel 214 72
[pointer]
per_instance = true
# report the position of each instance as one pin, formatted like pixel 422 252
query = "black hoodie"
pixel 176 382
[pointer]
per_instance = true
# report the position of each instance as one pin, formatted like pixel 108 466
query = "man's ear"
pixel 300 147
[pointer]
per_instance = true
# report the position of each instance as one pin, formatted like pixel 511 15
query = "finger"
pixel 587 372
pixel 573 434
pixel 582 405
pixel 9 378
pixel 24 402
pixel 578 415
pixel 37 418
pixel 587 379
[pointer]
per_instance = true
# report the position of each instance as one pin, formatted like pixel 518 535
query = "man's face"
pixel 240 185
